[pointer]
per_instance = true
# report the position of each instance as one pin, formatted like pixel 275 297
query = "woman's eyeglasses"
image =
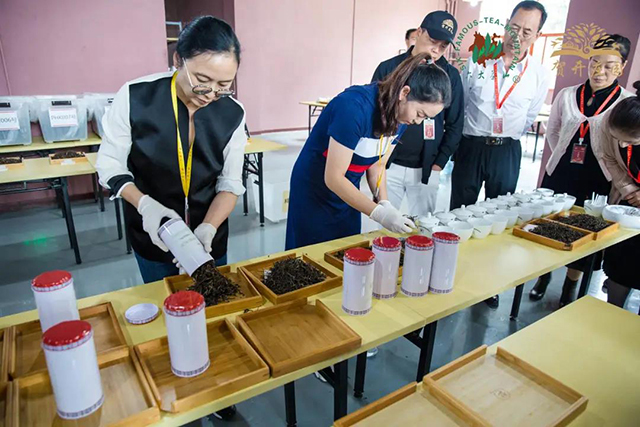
pixel 201 89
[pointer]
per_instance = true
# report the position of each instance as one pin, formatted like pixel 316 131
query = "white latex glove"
pixel 152 213
pixel 205 232
pixel 391 218
pixel 180 269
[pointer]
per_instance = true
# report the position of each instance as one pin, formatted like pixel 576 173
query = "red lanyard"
pixel 629 151
pixel 495 81
pixel 584 126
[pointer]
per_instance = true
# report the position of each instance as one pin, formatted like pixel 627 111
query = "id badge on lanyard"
pixel 498 124
pixel 429 129
pixel 498 119
pixel 579 152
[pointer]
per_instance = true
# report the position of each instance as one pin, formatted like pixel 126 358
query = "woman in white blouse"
pixel 576 164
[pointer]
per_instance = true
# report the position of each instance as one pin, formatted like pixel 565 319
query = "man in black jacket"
pixel 425 149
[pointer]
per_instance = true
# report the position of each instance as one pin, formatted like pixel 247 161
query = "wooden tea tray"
pixel 25 356
pixel 69 161
pixel 128 400
pixel 556 244
pixel 597 235
pixel 255 273
pixel 501 389
pixel 412 405
pixel 5 390
pixel 234 365
pixel 294 335
pixel 337 262
pixel 250 299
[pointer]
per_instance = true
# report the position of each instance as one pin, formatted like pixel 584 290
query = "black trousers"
pixel 498 166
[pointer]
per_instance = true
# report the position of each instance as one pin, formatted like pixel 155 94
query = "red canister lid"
pixel 387 242
pixel 66 335
pixel 51 280
pixel 359 256
pixel 184 303
pixel 447 237
pixel 419 241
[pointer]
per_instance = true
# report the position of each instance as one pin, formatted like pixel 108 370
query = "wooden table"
pixel 594 348
pixel 38 145
pixel 315 108
pixel 476 279
pixel 55 178
pixel 253 154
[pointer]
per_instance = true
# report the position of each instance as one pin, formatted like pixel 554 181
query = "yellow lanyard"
pixel 380 154
pixel 185 173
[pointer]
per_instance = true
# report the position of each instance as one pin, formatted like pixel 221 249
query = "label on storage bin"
pixel 9 120
pixel 63 117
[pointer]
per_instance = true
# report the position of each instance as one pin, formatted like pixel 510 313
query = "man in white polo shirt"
pixel 499 112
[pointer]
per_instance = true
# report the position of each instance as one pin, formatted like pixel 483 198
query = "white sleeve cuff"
pixel 118 194
pixel 230 186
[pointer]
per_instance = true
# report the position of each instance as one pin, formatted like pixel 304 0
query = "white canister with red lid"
pixel 55 298
pixel 183 244
pixel 357 287
pixel 187 333
pixel 73 368
pixel 416 271
pixel 445 259
pixel 386 265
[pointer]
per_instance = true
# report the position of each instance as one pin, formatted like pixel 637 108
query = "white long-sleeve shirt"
pixel 520 108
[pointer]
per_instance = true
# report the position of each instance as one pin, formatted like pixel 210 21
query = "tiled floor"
pixel 35 240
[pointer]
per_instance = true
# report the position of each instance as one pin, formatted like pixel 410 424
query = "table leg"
pixel 94 183
pixel 100 193
pixel 290 404
pixel 116 204
pixel 70 225
pixel 517 299
pixel 426 350
pixel 245 199
pixel 309 120
pixel 586 276
pixel 261 188
pixel 127 239
pixel 340 389
pixel 535 144
pixel 361 368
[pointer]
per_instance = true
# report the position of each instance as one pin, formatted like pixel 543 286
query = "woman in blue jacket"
pixel 356 133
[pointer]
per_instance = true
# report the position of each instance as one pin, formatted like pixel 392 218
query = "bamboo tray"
pixel 597 235
pixel 255 273
pixel 10 166
pixel 332 259
pixel 25 356
pixel 128 400
pixel 69 161
pixel 294 335
pixel 502 390
pixel 556 244
pixel 5 390
pixel 250 299
pixel 234 365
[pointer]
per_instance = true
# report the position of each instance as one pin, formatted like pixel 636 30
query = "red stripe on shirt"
pixel 352 167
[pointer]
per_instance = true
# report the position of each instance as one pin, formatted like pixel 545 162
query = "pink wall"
pixel 621 17
pixel 292 51
pixel 76 46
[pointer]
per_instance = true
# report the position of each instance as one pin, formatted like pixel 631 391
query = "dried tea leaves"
pixel 585 221
pixel 69 154
pixel 9 160
pixel 213 286
pixel 291 274
pixel 557 232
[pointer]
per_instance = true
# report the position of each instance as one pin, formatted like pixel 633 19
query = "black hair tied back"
pixel 625 116
pixel 207 34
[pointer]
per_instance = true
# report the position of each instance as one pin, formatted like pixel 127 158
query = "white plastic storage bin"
pixel 97 106
pixel 15 125
pixel 276 194
pixel 62 118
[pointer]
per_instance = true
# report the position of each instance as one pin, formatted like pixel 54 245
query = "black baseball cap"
pixel 440 25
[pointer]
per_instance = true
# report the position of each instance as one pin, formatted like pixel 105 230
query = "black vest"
pixel 153 160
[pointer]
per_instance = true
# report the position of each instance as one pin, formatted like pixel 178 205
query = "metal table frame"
pixel 312 113
pixel 253 165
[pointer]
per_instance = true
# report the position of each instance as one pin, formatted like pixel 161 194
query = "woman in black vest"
pixel 195 174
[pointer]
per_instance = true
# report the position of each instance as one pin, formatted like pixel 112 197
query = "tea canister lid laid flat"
pixel 419 242
pixel 359 256
pixel 446 237
pixel 51 281
pixel 184 303
pixel 387 243
pixel 139 314
pixel 66 335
